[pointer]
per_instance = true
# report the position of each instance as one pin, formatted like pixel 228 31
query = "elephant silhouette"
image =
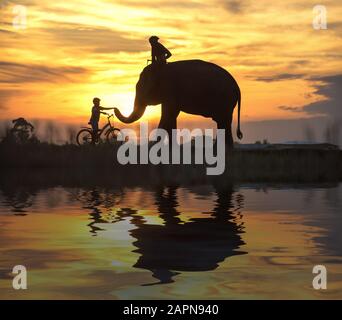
pixel 191 86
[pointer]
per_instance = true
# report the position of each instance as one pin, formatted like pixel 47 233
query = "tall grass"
pixel 298 164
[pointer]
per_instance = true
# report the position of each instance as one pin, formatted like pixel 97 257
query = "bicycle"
pixel 87 136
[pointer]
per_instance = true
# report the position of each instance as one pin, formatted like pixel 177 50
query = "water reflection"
pixel 96 200
pixel 199 244
pixel 18 199
pixel 113 234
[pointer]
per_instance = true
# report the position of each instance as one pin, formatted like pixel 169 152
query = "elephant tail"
pixel 238 131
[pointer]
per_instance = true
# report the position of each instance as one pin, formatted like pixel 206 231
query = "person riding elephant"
pixel 158 52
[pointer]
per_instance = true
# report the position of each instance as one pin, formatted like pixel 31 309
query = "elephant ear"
pixel 151 77
pixel 151 80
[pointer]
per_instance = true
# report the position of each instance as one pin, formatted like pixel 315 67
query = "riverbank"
pixel 99 163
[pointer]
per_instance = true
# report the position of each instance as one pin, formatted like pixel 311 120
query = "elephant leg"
pixel 168 120
pixel 226 124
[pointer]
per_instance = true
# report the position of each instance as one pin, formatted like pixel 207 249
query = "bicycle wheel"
pixel 112 136
pixel 84 137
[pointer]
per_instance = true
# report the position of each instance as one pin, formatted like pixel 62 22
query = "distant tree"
pixel 309 134
pixel 22 132
pixel 71 134
pixel 51 132
pixel 265 141
pixel 332 132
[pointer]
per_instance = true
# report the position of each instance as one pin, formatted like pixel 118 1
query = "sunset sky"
pixel 74 50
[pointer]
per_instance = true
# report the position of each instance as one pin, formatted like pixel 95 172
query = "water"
pixel 171 242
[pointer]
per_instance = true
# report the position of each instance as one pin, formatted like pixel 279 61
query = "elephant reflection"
pixel 197 245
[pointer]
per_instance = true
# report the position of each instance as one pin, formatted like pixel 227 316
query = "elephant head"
pixel 146 94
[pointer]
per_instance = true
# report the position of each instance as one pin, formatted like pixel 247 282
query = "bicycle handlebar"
pixel 107 114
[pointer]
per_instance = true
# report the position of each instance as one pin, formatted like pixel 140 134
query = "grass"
pixel 99 163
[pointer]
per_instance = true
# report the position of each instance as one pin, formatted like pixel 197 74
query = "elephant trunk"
pixel 137 113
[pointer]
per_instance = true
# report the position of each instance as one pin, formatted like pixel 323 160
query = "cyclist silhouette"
pixel 95 115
